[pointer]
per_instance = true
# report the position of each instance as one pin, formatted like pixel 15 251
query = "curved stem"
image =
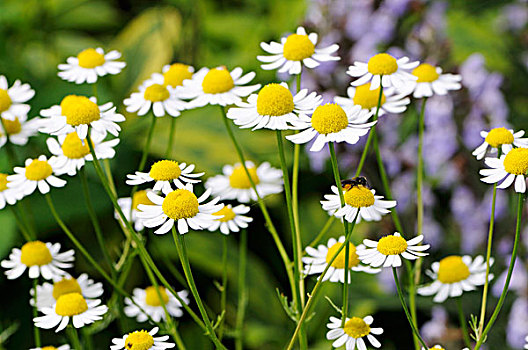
pixel 36 331
pixel 223 294
pixel 463 324
pixel 74 337
pixel 324 230
pixel 242 291
pixel 146 149
pixel 172 131
pixel 21 225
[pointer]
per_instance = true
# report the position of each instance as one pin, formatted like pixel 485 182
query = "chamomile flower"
pixel 164 172
pixel 78 113
pixel 18 130
pixel 179 207
pixel 385 70
pixel 353 333
pixel 70 306
pixel 49 347
pixel 526 340
pixel 234 182
pixel 389 250
pixel 90 64
pixel 294 51
pixel 151 304
pixel 70 153
pixel 360 201
pixel 217 86
pixel 436 347
pixel 8 195
pixel 47 293
pixel 331 123
pixel 153 93
pixel 454 275
pixel 510 167
pixel 36 173
pixel 501 138
pixel 368 100
pixel 274 107
pixel 231 219
pixel 12 99
pixel 41 259
pixel 174 74
pixel 431 81
pixel 142 340
pixel 318 259
pixel 129 206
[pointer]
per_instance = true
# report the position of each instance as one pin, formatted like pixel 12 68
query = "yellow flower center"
pixel 356 328
pixel 90 58
pixel 73 148
pixel 227 212
pixel 425 73
pixel 180 204
pixel 339 262
pixel 382 64
pixel 66 286
pixel 217 81
pixel 5 100
pixel 274 100
pixel 239 178
pixel 176 74
pixel 35 253
pixel 165 170
pixel 367 98
pixel 12 127
pixel 156 93
pixel 139 340
pixel 499 136
pixel 452 269
pixel 38 170
pixel 153 299
pixel 3 182
pixel 329 118
pixel 70 305
pixel 79 110
pixel 298 47
pixel 49 348
pixel 437 347
pixel 359 196
pixel 392 245
pixel 516 161
pixel 140 197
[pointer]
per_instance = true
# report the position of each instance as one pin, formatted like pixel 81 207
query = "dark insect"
pixel 356 181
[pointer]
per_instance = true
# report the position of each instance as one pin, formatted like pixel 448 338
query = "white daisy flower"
pixel 231 219
pixel 383 69
pixel 19 130
pixel 142 340
pixel 234 182
pixel 180 207
pixel 454 275
pixel 294 51
pixel 49 347
pixel 130 208
pixel 89 64
pixel 70 306
pixel 431 81
pixel 151 304
pixel 501 138
pixel 331 123
pixel 436 347
pixel 12 99
pixel 318 259
pixel 164 172
pixel 47 293
pixel 510 167
pixel 77 113
pixel 70 153
pixel 41 259
pixel 8 195
pixel 274 108
pixel 526 340
pixel 174 74
pixel 36 173
pixel 357 199
pixel 389 250
pixel 352 334
pixel 154 94
pixel 217 86
pixel 368 100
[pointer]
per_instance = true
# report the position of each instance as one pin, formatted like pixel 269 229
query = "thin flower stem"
pixel 242 291
pixel 178 340
pixel 36 331
pixel 108 172
pixel 74 337
pixel 463 324
pixel 223 293
pixel 146 149
pixel 172 131
pixel 328 224
pixel 20 222
pixel 508 276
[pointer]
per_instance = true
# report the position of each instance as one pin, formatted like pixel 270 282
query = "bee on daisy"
pixel 430 81
pixel 499 138
pixel 12 99
pixel 129 207
pixel 391 102
pixel 49 347
pixel 354 333
pixel 147 303
pixel 231 219
pixel 509 168
pixel 142 340
pixel 37 173
pixel 89 65
pixel 174 74
pixel 295 51
pixel 18 130
pixel 8 195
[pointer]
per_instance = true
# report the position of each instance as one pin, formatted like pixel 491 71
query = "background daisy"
pixel 231 219
pixel 430 81
pixel 151 304
pixel 389 250
pixel 12 99
pixel 18 130
pixel 353 332
pixel 8 195
pixel 501 138
pixel 363 96
pixel 510 167
pixel 129 207
pixel 89 64
pixel 37 173
pixel 139 339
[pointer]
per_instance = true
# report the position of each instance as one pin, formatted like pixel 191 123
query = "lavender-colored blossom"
pixel 518 282
pixel 517 328
pixel 436 328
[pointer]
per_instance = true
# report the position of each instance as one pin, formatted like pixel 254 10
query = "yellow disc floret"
pixel 329 118
pixel 49 348
pixel 156 93
pixel 382 64
pixel 425 73
pixel 38 170
pixel 227 212
pixel 176 74
pixel 66 286
pixel 180 204
pixel 70 305
pixel 217 81
pixel 516 161
pixel 274 100
pixel 452 269
pixel 35 253
pixel 73 147
pixel 437 347
pixel 356 328
pixel 392 245
pixel 239 178
pixel 3 182
pixel 5 100
pixel 140 197
pixel 499 136
pixel 367 98
pixel 152 298
pixel 139 340
pixel 359 197
pixel 339 262
pixel 298 47
pixel 165 170
pixel 79 110
pixel 90 58
pixel 12 127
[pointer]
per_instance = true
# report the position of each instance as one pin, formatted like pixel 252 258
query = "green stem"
pixel 172 131
pixel 462 320
pixel 146 149
pixel 36 331
pixel 178 340
pixel 223 294
pixel 20 223
pixel 108 172
pixel 74 337
pixel 242 291
pixel 324 230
